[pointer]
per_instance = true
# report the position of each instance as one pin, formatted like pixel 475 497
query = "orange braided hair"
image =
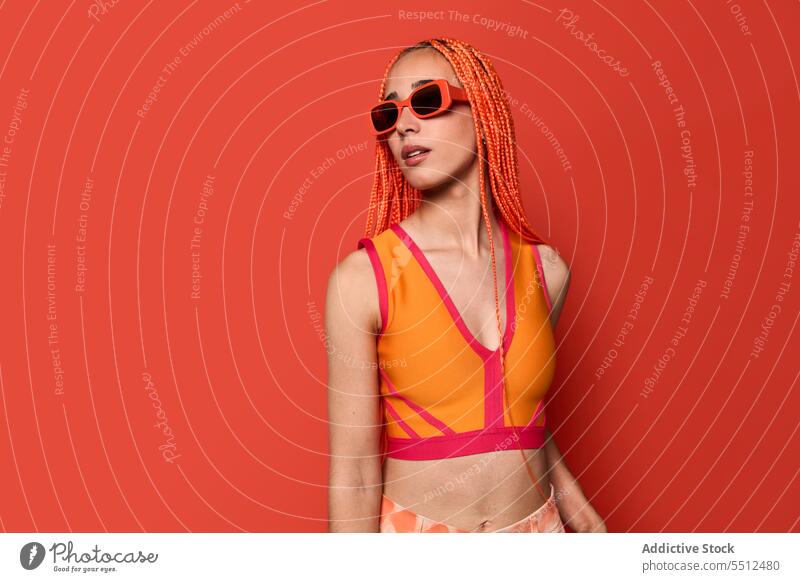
pixel 393 198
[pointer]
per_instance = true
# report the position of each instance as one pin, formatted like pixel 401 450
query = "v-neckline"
pixel 433 277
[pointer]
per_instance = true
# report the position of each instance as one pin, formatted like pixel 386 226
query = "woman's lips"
pixel 418 159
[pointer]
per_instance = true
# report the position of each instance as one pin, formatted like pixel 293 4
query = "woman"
pixel 425 419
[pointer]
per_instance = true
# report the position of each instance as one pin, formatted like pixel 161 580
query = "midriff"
pixel 485 491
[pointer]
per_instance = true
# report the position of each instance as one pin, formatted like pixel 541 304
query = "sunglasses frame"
pixel 450 93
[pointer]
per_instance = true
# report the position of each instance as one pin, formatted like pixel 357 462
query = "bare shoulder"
pixel 353 270
pixel 351 292
pixel 556 270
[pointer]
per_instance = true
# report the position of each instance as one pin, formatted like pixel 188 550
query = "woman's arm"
pixel 557 277
pixel 575 509
pixel 352 317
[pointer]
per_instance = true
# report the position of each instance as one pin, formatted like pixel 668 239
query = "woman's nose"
pixel 407 120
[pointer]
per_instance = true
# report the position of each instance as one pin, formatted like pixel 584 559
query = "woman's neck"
pixel 452 217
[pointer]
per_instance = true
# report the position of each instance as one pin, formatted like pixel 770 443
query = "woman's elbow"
pixel 354 497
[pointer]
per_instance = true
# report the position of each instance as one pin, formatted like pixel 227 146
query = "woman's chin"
pixel 422 180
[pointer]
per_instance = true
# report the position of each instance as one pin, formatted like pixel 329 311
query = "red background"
pixel 240 372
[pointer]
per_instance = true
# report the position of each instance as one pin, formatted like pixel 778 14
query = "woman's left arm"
pixel 575 509
pixel 557 277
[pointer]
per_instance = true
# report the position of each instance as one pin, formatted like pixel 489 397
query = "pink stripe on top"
pixel 383 295
pixel 432 420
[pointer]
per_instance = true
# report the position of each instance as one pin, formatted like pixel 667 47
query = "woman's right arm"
pixel 352 318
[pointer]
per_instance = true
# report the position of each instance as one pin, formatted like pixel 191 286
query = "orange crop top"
pixel 440 388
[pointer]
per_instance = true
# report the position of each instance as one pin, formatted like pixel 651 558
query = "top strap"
pixel 380 279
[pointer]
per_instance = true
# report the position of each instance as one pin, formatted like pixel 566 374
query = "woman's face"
pixel 450 136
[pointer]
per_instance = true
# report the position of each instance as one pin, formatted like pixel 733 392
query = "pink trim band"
pixel 466 443
pixel 538 259
pixel 380 278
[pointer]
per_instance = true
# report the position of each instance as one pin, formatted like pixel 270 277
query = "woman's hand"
pixel 579 515
pixel 575 510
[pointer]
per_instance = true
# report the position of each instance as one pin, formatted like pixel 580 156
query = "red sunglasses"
pixel 426 101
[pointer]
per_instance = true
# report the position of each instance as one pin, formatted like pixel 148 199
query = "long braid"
pixel 393 198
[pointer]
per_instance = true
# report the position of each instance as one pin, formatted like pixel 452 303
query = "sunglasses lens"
pixel 384 116
pixel 427 100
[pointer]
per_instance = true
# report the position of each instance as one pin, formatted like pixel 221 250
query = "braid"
pixel 393 198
